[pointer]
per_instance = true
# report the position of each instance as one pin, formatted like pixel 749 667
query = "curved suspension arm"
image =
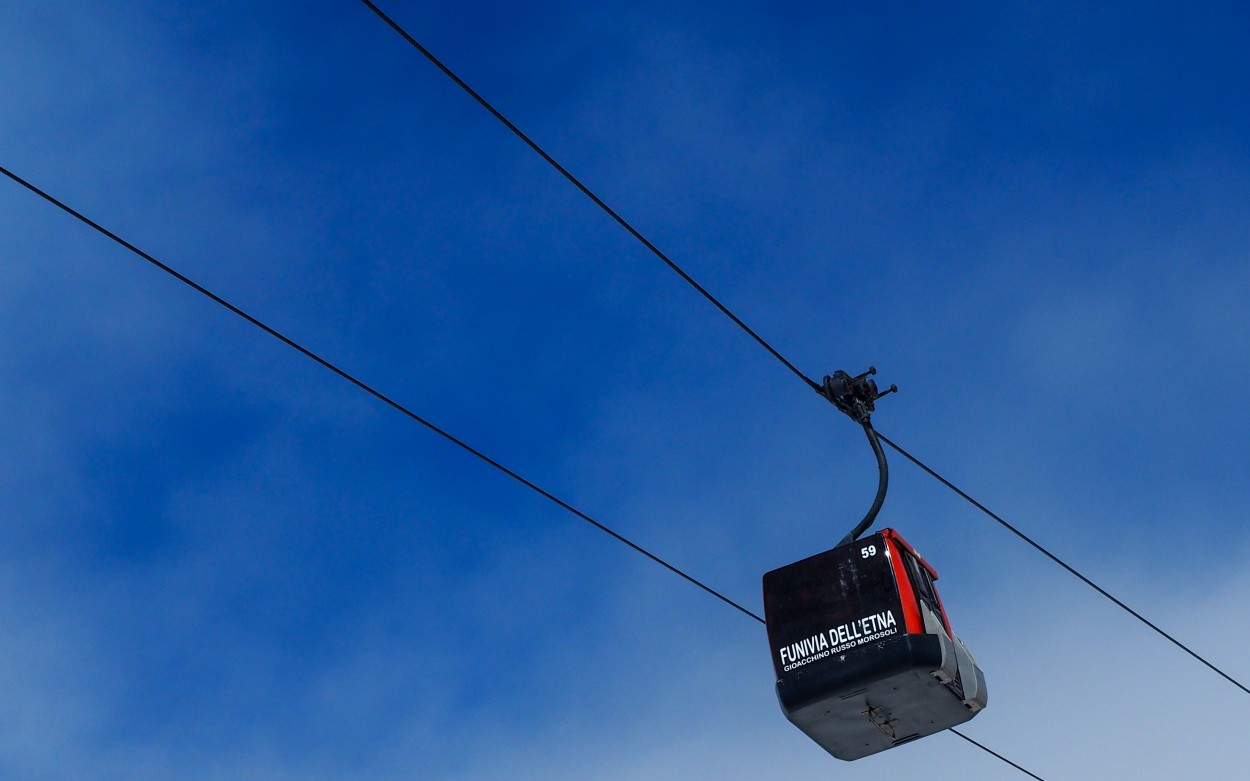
pixel 883 482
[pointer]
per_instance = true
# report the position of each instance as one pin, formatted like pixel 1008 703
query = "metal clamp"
pixel 855 396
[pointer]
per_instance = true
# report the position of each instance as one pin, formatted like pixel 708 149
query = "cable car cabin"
pixel 864 654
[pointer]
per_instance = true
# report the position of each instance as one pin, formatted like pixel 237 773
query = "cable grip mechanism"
pixel 857 398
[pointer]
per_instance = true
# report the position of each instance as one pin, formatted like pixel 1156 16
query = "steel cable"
pixel 397 406
pixel 738 321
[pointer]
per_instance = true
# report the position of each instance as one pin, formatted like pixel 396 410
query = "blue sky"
pixel 221 561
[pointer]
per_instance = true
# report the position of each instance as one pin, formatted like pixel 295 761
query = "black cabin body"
pixel 863 651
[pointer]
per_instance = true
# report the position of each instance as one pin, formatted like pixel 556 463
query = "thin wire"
pixel 1071 570
pixel 725 310
pixel 399 407
pixel 995 753
pixel 374 392
pixel 588 193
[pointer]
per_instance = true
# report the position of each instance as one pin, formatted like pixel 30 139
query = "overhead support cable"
pixel 306 352
pixel 375 392
pixel 996 754
pixel 588 192
pixel 738 321
pixel 1070 569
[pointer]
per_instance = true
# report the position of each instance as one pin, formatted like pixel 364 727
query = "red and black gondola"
pixel 862 648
